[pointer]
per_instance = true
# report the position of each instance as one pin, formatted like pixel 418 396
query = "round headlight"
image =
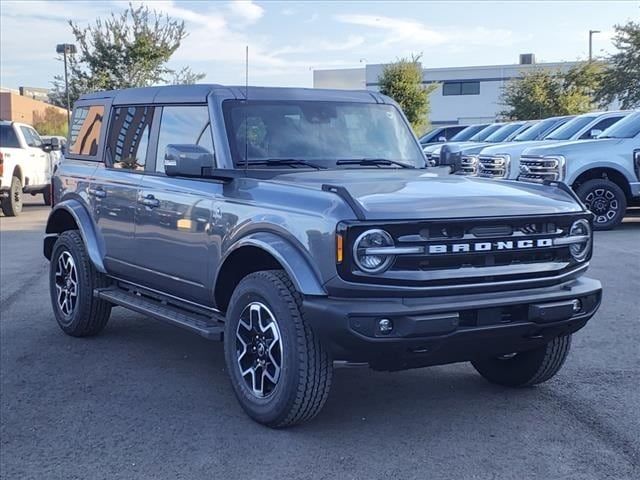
pixel 364 253
pixel 580 250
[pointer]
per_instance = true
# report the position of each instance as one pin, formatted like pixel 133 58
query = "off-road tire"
pixel 46 195
pixel 90 314
pixel 12 204
pixel 306 372
pixel 526 368
pixel 608 192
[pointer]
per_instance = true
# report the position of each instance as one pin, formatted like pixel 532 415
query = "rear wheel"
pixel 72 279
pixel 279 371
pixel 12 204
pixel 606 200
pixel 526 368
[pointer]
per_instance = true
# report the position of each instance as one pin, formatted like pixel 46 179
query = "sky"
pixel 289 39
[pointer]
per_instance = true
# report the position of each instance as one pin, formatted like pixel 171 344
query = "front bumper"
pixel 447 329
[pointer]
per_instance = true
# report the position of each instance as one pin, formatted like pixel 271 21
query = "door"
pixel 36 164
pixel 173 232
pixel 115 186
pixel 601 126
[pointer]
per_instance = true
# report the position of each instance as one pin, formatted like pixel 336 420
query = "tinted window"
pixel 467 133
pixel 129 137
pixel 571 128
pixel 461 88
pixel 628 127
pixel 8 137
pixel 431 136
pixel 485 132
pixel 319 132
pixel 538 130
pixel 183 125
pixel 85 130
pixel 602 125
pixel 31 137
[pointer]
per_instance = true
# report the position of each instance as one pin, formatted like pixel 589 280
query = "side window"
pixel 129 137
pixel 85 130
pixel 31 137
pixel 602 125
pixel 8 137
pixel 183 125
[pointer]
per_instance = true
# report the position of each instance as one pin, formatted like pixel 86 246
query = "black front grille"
pixel 465 252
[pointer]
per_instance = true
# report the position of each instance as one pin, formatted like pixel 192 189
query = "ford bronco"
pixel 301 228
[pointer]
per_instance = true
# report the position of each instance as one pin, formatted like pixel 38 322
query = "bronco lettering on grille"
pixel 489 246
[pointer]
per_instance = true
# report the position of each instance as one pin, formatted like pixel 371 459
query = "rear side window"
pixel 8 137
pixel 602 125
pixel 85 130
pixel 183 125
pixel 129 137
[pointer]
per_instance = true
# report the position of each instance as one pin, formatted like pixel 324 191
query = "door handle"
pixel 97 192
pixel 149 201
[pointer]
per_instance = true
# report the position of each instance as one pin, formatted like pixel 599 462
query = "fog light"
pixel 385 326
pixel 576 305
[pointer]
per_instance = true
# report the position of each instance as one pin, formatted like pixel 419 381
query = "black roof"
pixel 199 93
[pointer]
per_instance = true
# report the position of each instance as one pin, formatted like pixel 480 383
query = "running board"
pixel 211 327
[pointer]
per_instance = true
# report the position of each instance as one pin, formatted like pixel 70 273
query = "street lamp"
pixel 66 49
pixel 591 32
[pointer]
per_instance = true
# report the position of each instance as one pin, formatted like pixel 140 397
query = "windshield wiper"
pixel 287 162
pixel 373 162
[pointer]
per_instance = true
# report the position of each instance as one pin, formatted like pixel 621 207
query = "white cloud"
pixel 246 10
pixel 397 29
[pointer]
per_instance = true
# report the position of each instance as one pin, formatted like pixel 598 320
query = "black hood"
pixel 386 194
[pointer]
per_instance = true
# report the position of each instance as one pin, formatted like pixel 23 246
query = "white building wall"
pixel 445 109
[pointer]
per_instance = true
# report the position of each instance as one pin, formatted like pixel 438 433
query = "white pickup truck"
pixel 25 165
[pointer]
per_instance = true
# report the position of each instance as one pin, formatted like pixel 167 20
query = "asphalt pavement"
pixel 145 400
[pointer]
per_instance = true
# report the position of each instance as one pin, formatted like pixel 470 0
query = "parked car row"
pixel 595 154
pixel 27 161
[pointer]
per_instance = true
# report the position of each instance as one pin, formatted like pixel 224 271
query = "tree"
pixel 402 81
pixel 126 50
pixel 621 79
pixel 50 122
pixel 546 93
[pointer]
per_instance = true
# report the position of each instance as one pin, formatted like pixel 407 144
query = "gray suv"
pixel 301 228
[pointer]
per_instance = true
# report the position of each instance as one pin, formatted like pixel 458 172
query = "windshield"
pixel 503 133
pixel 467 133
pixel 485 132
pixel 628 127
pixel 431 134
pixel 319 132
pixel 571 128
pixel 538 130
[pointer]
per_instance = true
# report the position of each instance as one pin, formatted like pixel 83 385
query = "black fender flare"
pixel 85 225
pixel 299 268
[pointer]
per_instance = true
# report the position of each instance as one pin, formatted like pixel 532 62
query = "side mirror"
pixel 55 143
pixel 442 139
pixel 450 157
pixel 186 160
pixel 595 132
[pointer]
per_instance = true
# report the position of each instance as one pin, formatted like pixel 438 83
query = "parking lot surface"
pixel 148 400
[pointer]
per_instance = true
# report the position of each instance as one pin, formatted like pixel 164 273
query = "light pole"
pixel 591 32
pixel 66 49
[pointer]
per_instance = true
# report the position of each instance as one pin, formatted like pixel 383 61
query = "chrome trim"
pixel 393 250
pixel 571 240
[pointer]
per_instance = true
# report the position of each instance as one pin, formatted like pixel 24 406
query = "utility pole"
pixel 591 33
pixel 66 49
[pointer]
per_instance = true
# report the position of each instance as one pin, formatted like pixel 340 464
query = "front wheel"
pixel 526 368
pixel 606 200
pixel 12 204
pixel 72 279
pixel 46 195
pixel 280 372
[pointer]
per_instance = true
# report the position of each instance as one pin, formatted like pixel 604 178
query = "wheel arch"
pixel 264 251
pixel 605 173
pixel 17 172
pixel 72 215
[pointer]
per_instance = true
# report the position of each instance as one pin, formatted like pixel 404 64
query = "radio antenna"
pixel 246 106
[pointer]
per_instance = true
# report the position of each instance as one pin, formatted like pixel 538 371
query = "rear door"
pixel 173 233
pixel 36 164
